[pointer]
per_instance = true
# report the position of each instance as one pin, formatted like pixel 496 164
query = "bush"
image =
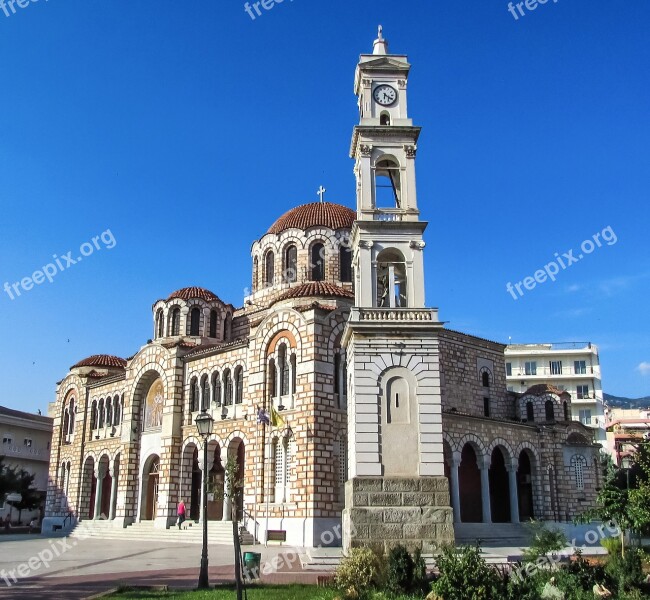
pixel 585 574
pixel 626 571
pixel 359 573
pixel 420 580
pixel 464 575
pixel 544 541
pixel 612 545
pixel 399 574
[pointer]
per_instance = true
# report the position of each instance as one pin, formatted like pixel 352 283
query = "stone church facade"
pixel 393 428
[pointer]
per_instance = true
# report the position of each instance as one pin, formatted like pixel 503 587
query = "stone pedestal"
pixel 382 512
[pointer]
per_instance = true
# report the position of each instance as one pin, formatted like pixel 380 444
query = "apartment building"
pixel 570 366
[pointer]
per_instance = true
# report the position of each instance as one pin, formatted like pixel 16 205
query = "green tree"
pixel 7 480
pixel 31 498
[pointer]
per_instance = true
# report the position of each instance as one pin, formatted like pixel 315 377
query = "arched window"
pixel 195 392
pixel 269 269
pixel 227 384
pixel 239 385
pixel 272 379
pixel 579 462
pixel 73 416
pixel 154 404
pixel 66 425
pixel 318 262
pixel 565 405
pixel 549 410
pixel 337 369
pixel 176 321
pixel 530 412
pixel 205 397
pixel 384 119
pixel 216 389
pixel 485 378
pixel 160 324
pixel 93 416
pixel 388 189
pixel 109 411
pixel 293 373
pixel 102 412
pixel 256 268
pixel 213 323
pixel 284 370
pixel 117 411
pixel 391 280
pixel 291 264
pixel 227 327
pixel 195 322
pixel 345 264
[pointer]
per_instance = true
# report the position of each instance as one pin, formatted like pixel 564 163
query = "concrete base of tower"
pixel 382 512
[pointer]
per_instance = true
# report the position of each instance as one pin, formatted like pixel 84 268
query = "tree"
pixel 31 498
pixel 7 480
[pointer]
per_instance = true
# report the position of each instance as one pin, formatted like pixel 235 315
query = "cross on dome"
pixel 321 192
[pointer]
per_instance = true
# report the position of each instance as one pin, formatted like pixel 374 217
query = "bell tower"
pixel 396 492
pixel 388 233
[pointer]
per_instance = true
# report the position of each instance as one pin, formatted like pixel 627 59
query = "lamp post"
pixel 626 465
pixel 204 422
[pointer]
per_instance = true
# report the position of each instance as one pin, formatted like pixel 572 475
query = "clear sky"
pixel 187 128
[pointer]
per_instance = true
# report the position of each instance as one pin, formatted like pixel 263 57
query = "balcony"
pixel 567 371
pixel 393 315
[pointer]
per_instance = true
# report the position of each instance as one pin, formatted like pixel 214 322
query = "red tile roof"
pixel 316 289
pixel 324 214
pixel 191 293
pixel 102 360
pixel 542 389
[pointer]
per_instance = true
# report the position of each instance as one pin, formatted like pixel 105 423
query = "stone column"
pixel 455 490
pixel 227 502
pixel 485 490
pixel 111 509
pixel 514 495
pixel 205 472
pixel 99 475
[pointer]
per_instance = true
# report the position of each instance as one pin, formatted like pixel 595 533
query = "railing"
pixel 545 371
pixel 553 346
pixel 401 315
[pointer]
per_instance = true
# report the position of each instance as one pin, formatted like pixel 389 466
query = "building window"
pixel 239 385
pixel 582 392
pixel 227 327
pixel 585 416
pixel 227 386
pixel 256 267
pixel 508 369
pixel 216 389
pixel 278 459
pixel 549 410
pixel 205 397
pixel 342 455
pixel 391 280
pixel 530 412
pixel 486 407
pixel 160 324
pixel 284 370
pixel 213 323
pixel 27 442
pixel 555 367
pixel 580 367
pixel 485 379
pixel 388 189
pixel 345 264
pixel 269 269
pixel 579 462
pixel 567 417
pixel 195 322
pixel 176 321
pixel 291 264
pixel 318 262
pixel 7 439
pixel 194 395
pixel 530 368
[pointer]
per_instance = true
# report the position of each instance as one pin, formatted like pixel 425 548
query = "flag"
pixel 263 416
pixel 276 419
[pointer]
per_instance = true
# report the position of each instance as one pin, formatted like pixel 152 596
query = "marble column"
pixel 227 502
pixel 514 495
pixel 99 475
pixel 111 509
pixel 485 490
pixel 205 473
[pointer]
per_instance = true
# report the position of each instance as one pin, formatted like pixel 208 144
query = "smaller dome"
pixel 316 289
pixel 323 214
pixel 191 293
pixel 102 360
pixel 542 389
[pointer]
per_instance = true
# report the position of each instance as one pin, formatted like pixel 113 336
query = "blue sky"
pixel 186 129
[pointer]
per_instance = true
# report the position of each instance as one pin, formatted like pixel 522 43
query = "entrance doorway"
pixel 152 475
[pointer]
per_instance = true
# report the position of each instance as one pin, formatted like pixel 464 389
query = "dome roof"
pixel 192 293
pixel 324 214
pixel 101 360
pixel 316 289
pixel 541 389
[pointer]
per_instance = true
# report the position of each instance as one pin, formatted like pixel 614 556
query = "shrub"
pixel 612 545
pixel 626 571
pixel 544 540
pixel 464 575
pixel 399 574
pixel 420 580
pixel 585 574
pixel 359 573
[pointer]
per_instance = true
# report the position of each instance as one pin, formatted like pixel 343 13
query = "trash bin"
pixel 252 561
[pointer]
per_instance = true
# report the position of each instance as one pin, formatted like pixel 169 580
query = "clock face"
pixel 385 95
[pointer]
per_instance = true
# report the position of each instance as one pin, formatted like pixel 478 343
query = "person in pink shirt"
pixel 181 513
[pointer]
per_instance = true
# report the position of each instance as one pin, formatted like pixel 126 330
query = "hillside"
pixel 622 402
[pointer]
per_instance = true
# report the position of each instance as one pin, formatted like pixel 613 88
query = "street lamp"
pixel 204 423
pixel 626 465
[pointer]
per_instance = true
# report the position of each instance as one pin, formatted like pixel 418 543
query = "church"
pixel 355 416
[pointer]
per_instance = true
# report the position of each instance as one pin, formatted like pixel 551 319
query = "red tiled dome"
pixel 101 360
pixel 316 289
pixel 324 214
pixel 192 293
pixel 541 389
